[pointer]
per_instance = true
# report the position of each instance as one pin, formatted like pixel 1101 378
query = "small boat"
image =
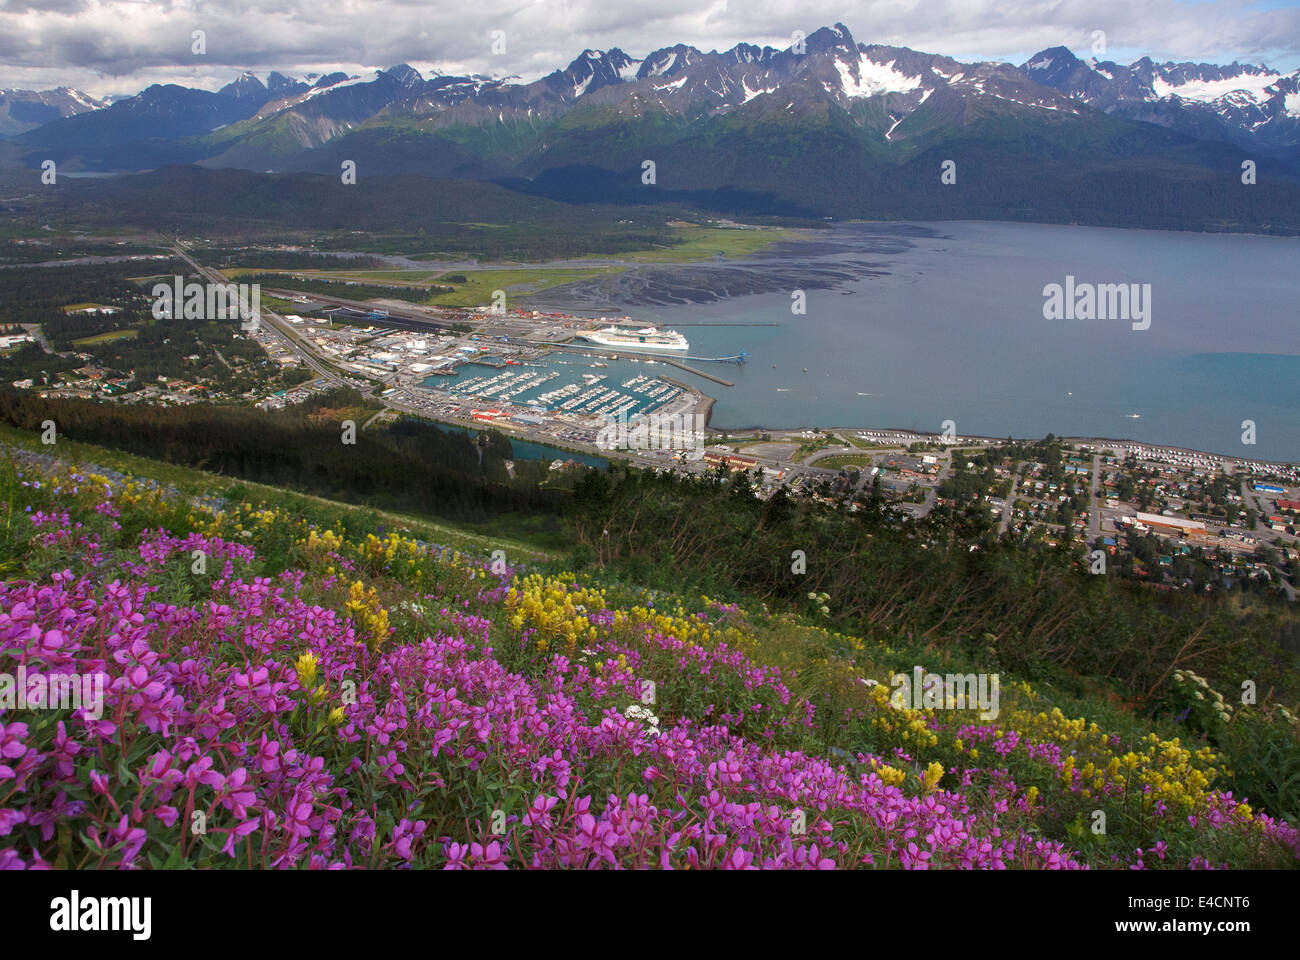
pixel 1135 416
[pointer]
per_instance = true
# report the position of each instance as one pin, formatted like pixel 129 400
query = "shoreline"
pixel 1294 234
pixel 707 397
pixel 974 439
pixel 706 402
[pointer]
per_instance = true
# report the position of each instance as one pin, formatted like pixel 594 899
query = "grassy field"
pixel 516 282
pixel 412 277
pixel 698 243
pixel 280 306
pixel 395 278
pixel 475 292
pixel 128 334
pixel 844 460
pixel 704 243
pixel 735 441
pixel 808 447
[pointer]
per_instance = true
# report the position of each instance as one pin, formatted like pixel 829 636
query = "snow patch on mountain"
pixel 298 99
pixel 82 100
pixel 664 66
pixel 349 82
pixel 873 78
pixel 751 94
pixel 1252 85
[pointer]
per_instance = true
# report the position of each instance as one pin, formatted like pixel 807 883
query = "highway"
pixel 1008 508
pixel 1094 500
pixel 281 329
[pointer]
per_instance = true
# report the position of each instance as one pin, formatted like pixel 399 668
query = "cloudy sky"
pixel 120 46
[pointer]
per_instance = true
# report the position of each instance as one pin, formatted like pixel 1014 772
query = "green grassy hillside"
pixel 327 684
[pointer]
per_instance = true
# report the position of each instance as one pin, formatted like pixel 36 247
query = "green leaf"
pixel 175 859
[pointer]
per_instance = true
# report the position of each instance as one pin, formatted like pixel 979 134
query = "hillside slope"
pixel 324 689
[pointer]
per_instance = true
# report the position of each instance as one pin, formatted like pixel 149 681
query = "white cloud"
pixel 118 46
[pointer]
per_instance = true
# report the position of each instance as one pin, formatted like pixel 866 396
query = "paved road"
pixel 1253 499
pixel 1094 503
pixel 278 327
pixel 1008 508
pixel 1266 535
pixel 377 415
pixel 284 331
pixel 37 334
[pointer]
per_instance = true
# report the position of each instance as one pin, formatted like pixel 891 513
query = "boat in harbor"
pixel 650 338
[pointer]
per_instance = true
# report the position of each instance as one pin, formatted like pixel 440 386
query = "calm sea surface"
pixel 952 328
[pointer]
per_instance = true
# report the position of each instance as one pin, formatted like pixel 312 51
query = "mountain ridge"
pixel 1248 104
pixel 23 110
pixel 828 127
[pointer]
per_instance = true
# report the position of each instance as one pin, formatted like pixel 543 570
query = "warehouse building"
pixel 1160 523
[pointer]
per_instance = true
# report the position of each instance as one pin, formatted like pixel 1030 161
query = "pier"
pixel 737 358
pixel 698 373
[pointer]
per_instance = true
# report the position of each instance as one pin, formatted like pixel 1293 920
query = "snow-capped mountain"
pixel 160 113
pixel 1248 104
pixel 709 109
pixel 593 70
pixel 880 86
pixel 827 127
pixel 22 110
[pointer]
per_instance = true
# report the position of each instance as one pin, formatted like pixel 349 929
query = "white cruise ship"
pixel 647 337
